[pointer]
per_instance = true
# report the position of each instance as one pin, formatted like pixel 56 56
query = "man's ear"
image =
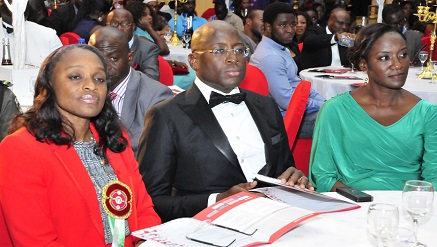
pixel 249 21
pixel 130 57
pixel 267 29
pixel 192 60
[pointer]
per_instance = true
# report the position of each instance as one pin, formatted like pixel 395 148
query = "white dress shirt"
pixel 120 90
pixel 242 133
pixel 334 50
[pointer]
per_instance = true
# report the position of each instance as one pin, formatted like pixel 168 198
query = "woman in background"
pixel 379 135
pixel 303 22
pixel 64 156
pixel 241 8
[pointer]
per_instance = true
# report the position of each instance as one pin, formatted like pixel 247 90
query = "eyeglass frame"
pixel 246 52
pixel 123 25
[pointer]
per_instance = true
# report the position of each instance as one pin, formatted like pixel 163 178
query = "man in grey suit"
pixel 195 150
pixel 132 91
pixel 146 52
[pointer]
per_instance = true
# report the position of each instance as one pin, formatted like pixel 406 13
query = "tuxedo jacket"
pixel 142 92
pixel 47 197
pixel 145 57
pixel 184 155
pixel 317 51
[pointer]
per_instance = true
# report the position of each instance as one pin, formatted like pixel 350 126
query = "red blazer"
pixel 48 199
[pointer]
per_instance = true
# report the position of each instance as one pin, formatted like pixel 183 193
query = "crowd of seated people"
pixel 101 115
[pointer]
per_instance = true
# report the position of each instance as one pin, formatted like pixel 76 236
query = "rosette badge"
pixel 117 200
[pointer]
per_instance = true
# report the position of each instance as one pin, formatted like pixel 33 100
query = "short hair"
pixel 273 10
pixel 389 10
pixel 250 14
pixel 159 22
pixel 365 40
pixel 44 121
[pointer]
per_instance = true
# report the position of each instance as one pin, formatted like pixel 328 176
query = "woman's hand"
pixel 292 176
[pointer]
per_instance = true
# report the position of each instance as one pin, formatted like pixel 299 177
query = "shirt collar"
pixel 206 90
pixel 120 90
pixel 131 41
pixel 328 31
pixel 7 25
pixel 273 43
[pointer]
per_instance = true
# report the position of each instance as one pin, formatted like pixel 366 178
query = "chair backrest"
pixel 165 72
pixel 426 41
pixel 69 38
pixel 296 109
pixel 255 80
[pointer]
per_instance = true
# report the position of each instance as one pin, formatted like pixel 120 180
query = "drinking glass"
pixel 423 56
pixel 186 38
pixel 434 72
pixel 382 222
pixel 417 198
pixel 168 35
pixel 404 237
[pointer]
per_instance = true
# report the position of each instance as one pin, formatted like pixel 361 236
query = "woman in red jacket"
pixel 68 176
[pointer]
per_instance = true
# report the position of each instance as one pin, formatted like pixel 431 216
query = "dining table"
pixel 178 53
pixel 349 228
pixel 331 81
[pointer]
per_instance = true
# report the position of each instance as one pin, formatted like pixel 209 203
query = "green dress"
pixel 351 147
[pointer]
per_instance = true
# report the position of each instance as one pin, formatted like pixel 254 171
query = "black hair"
pixel 273 10
pixel 365 40
pixel 250 14
pixel 159 22
pixel 137 9
pixel 44 121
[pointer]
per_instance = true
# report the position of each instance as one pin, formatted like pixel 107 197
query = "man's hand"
pixel 236 189
pixel 292 176
pixel 348 35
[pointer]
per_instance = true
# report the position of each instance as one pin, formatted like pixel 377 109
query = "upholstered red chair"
pixel 296 109
pixel 165 72
pixel 426 41
pixel 301 152
pixel 255 80
pixel 69 38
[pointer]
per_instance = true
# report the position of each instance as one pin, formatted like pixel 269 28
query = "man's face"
pixel 283 28
pixel 339 22
pixel 396 20
pixel 257 23
pixel 189 7
pixel 124 20
pixel 223 72
pixel 221 11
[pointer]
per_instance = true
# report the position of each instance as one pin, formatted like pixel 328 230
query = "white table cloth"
pixel 178 53
pixel 329 88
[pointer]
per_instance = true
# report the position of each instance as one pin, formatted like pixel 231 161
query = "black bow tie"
pixel 8 29
pixel 217 98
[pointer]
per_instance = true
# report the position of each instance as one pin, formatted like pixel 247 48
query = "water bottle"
pixel 346 41
pixel 6 60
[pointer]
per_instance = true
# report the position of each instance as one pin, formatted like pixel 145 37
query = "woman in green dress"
pixel 379 135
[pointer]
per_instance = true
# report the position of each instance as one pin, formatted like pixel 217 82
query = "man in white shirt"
pixel 197 149
pixel 40 40
pixel 320 46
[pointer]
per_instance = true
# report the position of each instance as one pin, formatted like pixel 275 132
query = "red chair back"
pixel 296 109
pixel 255 80
pixel 426 41
pixel 69 38
pixel 165 72
pixel 301 153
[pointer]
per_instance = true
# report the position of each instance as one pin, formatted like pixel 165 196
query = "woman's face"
pixel 147 17
pixel 79 83
pixel 387 62
pixel 301 25
pixel 245 4
pixel 407 10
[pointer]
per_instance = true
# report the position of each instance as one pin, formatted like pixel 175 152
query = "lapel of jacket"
pixel 259 118
pixel 131 98
pixel 77 171
pixel 198 110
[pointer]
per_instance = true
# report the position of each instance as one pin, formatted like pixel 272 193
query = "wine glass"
pixel 167 35
pixel 186 38
pixel 382 222
pixel 423 56
pixel 404 237
pixel 417 198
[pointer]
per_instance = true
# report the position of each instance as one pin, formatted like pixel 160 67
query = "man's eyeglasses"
pixel 219 52
pixel 116 24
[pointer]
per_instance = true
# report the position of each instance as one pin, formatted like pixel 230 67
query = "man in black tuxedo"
pixel 193 153
pixel 320 46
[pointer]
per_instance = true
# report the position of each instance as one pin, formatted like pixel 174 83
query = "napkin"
pixel 178 70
